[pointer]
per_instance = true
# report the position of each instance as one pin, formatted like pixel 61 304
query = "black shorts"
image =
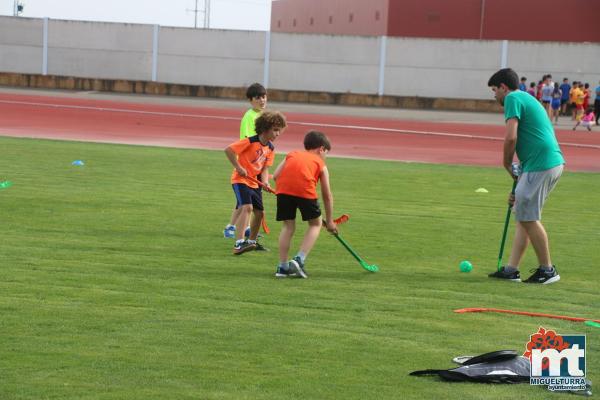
pixel 287 205
pixel 247 195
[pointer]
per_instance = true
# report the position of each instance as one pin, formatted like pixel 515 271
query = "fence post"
pixel 504 56
pixel 382 61
pixel 267 58
pixel 45 48
pixel 155 52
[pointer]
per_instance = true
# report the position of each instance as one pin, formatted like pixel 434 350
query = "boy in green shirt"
pixel 257 96
pixel 530 134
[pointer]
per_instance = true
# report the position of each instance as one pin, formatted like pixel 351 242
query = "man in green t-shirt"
pixel 530 134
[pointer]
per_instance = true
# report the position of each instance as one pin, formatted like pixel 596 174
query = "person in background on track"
pixel 597 103
pixel 565 88
pixel 531 89
pixel 547 91
pixel 523 84
pixel 555 105
pixel 587 119
pixel 538 88
pixel 573 94
pixel 579 101
pixel 587 94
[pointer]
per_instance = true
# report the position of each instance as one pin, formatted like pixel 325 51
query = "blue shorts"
pixel 555 104
pixel 247 195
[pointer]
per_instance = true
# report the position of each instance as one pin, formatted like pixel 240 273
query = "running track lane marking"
pixel 355 127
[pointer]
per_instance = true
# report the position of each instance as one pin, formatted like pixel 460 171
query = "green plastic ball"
pixel 465 266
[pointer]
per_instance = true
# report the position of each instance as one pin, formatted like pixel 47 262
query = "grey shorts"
pixel 532 191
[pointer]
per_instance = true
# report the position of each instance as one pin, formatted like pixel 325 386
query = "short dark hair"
pixel 268 120
pixel 255 90
pixel 565 79
pixel 316 139
pixel 523 79
pixel 506 76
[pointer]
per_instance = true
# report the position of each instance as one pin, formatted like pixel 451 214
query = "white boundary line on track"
pixel 313 124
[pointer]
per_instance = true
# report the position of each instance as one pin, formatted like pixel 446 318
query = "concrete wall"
pixel 441 68
pixel 324 63
pixel 338 65
pixel 210 57
pixel 576 61
pixel 100 50
pixel 21 45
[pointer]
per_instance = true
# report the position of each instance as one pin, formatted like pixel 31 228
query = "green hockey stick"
pixel 368 267
pixel 516 171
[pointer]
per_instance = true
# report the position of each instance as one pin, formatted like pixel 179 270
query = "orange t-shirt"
pixel 253 156
pixel 300 174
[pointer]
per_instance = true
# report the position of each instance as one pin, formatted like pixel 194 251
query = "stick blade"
pixel 342 219
pixel 370 268
pixel 467 310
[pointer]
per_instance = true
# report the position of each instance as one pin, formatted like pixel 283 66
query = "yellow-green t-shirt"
pixel 247 128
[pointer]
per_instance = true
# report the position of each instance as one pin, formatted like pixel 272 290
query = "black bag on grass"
pixel 504 366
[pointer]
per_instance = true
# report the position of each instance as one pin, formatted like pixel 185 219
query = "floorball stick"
pixel 263 222
pixel 530 314
pixel 261 184
pixel 505 229
pixel 516 171
pixel 363 263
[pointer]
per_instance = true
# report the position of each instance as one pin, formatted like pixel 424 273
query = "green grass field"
pixel 116 282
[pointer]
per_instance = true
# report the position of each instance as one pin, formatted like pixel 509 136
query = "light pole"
pixel 206 12
pixel 17 8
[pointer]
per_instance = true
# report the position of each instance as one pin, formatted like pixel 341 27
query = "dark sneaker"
pixel 298 265
pixel 509 276
pixel 243 247
pixel 543 277
pixel 260 247
pixel 285 273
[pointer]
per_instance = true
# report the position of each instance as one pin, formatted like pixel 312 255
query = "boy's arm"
pixel 278 170
pixel 327 201
pixel 264 176
pixel 232 157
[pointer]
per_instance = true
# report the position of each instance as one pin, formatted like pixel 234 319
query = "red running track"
pixel 66 118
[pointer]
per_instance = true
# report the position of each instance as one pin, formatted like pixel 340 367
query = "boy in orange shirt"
pixel 296 180
pixel 252 157
pixel 257 96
